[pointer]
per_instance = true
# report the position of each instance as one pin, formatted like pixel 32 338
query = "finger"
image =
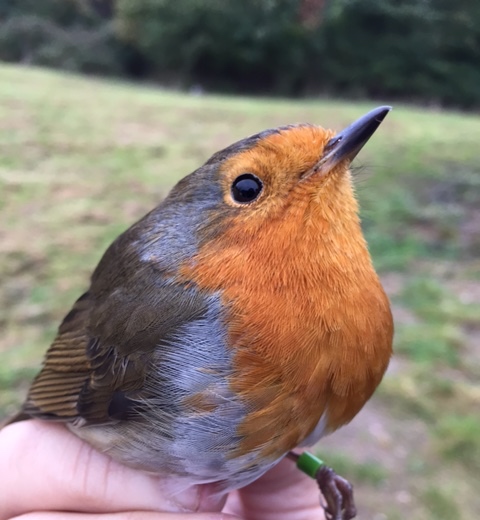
pixel 283 493
pixel 44 467
pixel 130 515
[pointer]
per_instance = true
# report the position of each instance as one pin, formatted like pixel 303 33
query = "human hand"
pixel 46 473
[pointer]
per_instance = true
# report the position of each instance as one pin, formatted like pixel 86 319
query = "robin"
pixel 239 319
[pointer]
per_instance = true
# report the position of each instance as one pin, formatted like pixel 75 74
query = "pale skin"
pixel 46 473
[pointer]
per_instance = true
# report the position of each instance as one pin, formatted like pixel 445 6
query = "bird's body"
pixel 218 334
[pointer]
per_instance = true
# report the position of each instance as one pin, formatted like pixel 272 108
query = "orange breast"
pixel 308 320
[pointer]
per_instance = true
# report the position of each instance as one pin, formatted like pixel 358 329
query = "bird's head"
pixel 274 190
pixel 299 173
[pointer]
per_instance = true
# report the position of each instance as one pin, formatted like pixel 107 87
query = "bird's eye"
pixel 246 188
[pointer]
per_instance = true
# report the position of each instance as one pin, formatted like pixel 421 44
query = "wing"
pixel 98 364
pixel 56 390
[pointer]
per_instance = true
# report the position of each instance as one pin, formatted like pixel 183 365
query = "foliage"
pixel 419 50
pixel 248 45
pixel 411 49
pixel 58 33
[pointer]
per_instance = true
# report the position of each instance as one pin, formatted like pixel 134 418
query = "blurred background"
pixel 145 91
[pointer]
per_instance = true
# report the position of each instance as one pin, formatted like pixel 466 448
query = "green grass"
pixel 440 505
pixel 82 159
pixel 369 472
pixel 458 439
pixel 438 336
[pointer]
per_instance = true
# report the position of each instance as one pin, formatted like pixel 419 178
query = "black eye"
pixel 246 188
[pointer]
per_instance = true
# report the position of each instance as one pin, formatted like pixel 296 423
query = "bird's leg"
pixel 337 491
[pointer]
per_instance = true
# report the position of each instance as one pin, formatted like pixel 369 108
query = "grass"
pixel 81 159
pixel 438 336
pixel 369 472
pixel 442 506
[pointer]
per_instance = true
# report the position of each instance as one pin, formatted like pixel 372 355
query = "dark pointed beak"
pixel 347 143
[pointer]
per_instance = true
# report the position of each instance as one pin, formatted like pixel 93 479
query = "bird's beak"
pixel 347 143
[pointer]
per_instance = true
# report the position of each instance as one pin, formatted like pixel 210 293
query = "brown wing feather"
pixel 54 392
pixel 96 368
pixel 81 374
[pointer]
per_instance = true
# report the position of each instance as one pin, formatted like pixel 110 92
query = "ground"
pixel 82 159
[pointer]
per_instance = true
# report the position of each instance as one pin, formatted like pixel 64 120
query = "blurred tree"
pixel 58 12
pixel 69 34
pixel 311 12
pixel 419 50
pixel 414 49
pixel 458 62
pixel 378 47
pixel 249 45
